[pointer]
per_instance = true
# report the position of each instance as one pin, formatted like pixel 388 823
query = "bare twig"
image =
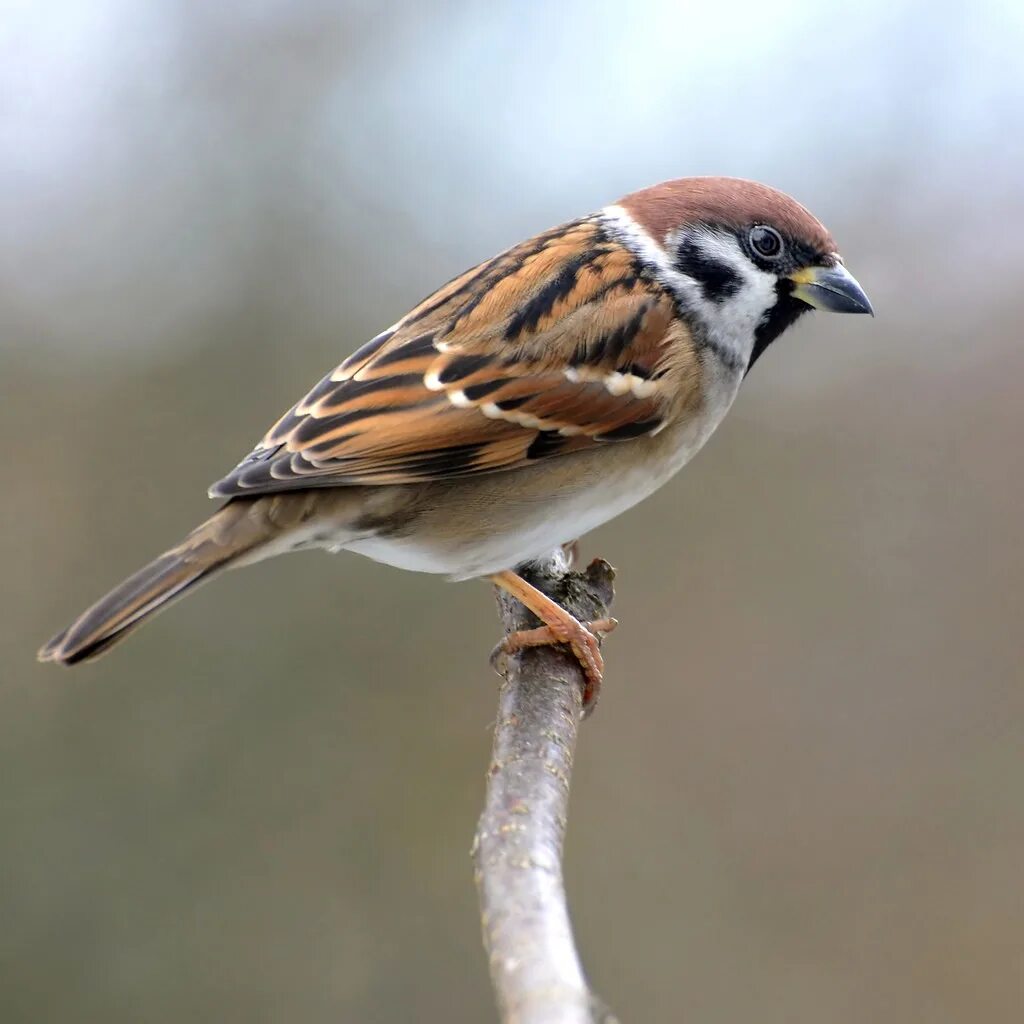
pixel 518 846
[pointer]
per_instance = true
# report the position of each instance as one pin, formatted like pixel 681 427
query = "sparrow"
pixel 527 401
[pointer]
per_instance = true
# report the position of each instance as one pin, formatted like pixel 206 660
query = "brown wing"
pixel 557 345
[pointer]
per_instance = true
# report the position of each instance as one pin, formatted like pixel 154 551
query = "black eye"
pixel 765 241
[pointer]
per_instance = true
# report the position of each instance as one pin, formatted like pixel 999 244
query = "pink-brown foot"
pixel 582 641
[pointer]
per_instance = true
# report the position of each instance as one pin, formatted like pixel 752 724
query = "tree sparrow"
pixel 524 403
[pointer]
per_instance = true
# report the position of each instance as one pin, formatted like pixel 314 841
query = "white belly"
pixel 495 522
pixel 536 530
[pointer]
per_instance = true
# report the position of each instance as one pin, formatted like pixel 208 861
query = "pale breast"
pixel 486 524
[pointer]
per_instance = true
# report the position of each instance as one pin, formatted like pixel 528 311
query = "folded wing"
pixel 555 346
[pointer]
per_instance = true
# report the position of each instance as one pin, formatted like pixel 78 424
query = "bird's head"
pixel 744 260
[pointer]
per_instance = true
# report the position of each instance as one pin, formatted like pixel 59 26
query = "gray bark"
pixel 517 851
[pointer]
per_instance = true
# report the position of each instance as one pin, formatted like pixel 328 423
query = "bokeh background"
pixel 803 795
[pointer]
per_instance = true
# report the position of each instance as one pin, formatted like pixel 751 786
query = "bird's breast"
pixel 481 525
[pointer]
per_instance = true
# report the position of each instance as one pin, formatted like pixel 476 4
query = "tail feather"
pixel 227 536
pixel 126 606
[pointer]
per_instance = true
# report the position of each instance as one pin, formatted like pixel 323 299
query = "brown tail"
pixel 227 536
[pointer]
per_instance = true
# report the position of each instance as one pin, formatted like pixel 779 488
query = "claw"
pixel 560 627
pixel 583 640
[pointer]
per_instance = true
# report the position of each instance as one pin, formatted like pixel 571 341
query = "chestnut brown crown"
pixel 733 203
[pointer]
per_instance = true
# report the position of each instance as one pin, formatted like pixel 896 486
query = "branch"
pixel 517 850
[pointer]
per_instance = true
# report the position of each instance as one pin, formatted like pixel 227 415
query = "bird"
pixel 524 403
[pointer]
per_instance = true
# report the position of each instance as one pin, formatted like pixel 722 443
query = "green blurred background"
pixel 802 797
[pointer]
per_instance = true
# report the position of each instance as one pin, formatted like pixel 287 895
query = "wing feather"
pixel 555 346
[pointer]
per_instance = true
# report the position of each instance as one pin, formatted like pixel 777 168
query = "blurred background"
pixel 803 795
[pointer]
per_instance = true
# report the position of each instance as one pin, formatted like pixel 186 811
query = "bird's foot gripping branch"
pixel 560 624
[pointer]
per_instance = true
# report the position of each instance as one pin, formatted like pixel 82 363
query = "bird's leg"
pixel 559 628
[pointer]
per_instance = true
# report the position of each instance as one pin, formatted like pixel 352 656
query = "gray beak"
pixel 832 289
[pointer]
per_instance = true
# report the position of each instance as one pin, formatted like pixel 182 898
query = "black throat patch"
pixel 781 316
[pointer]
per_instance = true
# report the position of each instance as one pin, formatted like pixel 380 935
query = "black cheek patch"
pixel 717 279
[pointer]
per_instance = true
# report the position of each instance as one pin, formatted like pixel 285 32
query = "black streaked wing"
pixel 554 346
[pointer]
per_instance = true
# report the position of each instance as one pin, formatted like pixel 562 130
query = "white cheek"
pixel 735 318
pixel 748 306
